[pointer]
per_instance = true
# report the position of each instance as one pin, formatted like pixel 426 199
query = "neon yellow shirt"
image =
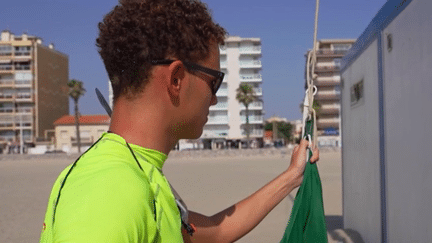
pixel 108 198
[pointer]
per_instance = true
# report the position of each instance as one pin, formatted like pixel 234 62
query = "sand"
pixel 207 185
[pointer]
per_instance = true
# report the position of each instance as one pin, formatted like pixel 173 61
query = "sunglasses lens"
pixel 217 85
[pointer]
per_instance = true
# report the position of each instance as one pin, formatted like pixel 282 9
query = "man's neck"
pixel 143 128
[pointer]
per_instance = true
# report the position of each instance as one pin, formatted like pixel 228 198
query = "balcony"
pixel 328 122
pixel 22 67
pixel 17 111
pixel 253 106
pixel 250 50
pixel 23 83
pixel 7 83
pixel 26 110
pixel 6 97
pixel 251 78
pixel 250 64
pixel 6 68
pixel 331 53
pixel 330 109
pixel 327 95
pixel 258 91
pixel 252 119
pixel 327 69
pixel 24 97
pixel 222 93
pixel 25 54
pixel 219 106
pixel 6 111
pixel 223 64
pixel 6 125
pixel 222 50
pixel 217 120
pixel 327 81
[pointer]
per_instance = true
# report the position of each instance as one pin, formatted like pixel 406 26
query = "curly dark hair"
pixel 137 31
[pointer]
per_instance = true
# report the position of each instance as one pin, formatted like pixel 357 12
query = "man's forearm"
pixel 239 219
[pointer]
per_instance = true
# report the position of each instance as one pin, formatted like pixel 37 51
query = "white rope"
pixel 308 111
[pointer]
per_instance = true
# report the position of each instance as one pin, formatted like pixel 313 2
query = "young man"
pixel 163 60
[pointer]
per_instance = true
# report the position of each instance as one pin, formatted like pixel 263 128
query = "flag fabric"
pixel 307 221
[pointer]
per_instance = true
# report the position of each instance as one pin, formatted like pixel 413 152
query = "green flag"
pixel 307 220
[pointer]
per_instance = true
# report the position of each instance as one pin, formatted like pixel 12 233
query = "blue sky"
pixel 285 28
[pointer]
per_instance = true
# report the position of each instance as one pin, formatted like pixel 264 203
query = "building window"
pixel 5 50
pixel 357 93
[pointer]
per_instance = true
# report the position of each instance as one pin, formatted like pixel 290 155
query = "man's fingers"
pixel 315 155
pixel 304 143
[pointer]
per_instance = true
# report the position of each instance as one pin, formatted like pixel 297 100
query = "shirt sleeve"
pixel 113 205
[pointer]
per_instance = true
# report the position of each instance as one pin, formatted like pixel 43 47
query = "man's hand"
pixel 298 160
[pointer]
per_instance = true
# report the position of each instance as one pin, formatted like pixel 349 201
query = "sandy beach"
pixel 207 185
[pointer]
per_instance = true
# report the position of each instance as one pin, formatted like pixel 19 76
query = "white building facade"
pixel 226 126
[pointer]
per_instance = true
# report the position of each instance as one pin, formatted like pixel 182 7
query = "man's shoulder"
pixel 105 168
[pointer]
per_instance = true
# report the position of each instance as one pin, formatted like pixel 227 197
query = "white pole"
pixel 21 136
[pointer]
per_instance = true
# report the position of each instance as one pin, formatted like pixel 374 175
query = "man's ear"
pixel 176 77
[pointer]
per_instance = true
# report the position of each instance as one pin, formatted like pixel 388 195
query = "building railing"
pixel 329 79
pixel 18 110
pixel 5 67
pixel 22 67
pixel 245 78
pixel 331 52
pixel 6 110
pixel 328 94
pixel 23 82
pixel 326 68
pixel 6 82
pixel 222 92
pixel 258 91
pixel 328 120
pixel 334 106
pixel 6 96
pixel 250 49
pixel 220 105
pixel 254 105
pixel 11 82
pixel 218 119
pixel 24 110
pixel 252 64
pixel 252 119
pixel 22 53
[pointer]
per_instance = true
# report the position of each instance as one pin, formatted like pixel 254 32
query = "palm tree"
pixel 76 90
pixel 246 95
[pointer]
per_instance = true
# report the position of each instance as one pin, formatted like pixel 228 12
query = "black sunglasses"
pixel 216 83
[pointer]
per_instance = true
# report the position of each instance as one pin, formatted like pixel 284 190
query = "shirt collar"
pixel 151 156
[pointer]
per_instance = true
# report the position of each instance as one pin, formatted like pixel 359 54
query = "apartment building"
pixel 33 88
pixel 329 55
pixel 226 126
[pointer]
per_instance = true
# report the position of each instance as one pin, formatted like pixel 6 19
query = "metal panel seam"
pixel 382 139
